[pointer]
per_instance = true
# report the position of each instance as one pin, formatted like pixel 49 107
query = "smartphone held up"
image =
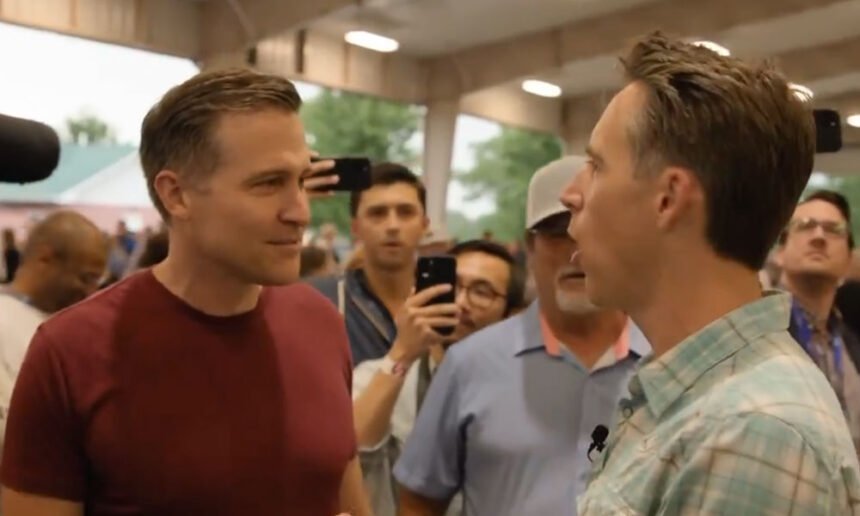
pixel 353 174
pixel 438 270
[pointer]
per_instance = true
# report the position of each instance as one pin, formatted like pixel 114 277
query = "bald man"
pixel 63 260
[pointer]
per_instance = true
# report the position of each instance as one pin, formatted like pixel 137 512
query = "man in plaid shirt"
pixel 695 167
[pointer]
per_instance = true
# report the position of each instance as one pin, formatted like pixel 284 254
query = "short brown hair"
pixel 177 131
pixel 387 174
pixel 740 128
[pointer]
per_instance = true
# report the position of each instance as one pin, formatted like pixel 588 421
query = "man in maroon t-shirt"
pixel 207 385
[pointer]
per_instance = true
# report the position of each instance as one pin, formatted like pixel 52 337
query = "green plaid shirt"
pixel 735 420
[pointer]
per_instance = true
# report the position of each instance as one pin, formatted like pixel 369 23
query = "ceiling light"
pixel 371 41
pixel 853 120
pixel 713 47
pixel 801 92
pixel 541 88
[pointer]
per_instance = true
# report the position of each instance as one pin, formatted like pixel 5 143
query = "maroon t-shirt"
pixel 132 402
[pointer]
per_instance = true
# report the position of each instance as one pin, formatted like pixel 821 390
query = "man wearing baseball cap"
pixel 509 415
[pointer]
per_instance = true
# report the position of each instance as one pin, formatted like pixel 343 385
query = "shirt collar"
pixel 665 379
pixel 538 336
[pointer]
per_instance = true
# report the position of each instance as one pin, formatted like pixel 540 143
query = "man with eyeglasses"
pixel 508 418
pixel 815 254
pixel 388 392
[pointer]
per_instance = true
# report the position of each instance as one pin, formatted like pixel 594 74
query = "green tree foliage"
pixel 347 124
pixel 89 130
pixel 503 167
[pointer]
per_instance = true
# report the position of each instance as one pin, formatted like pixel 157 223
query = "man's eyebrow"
pixel 589 150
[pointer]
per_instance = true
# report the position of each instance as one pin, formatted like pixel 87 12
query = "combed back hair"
pixel 516 281
pixel 387 174
pixel 178 132
pixel 740 128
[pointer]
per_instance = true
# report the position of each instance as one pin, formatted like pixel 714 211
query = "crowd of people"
pixel 677 333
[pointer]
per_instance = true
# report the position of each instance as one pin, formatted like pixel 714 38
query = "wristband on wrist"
pixel 393 367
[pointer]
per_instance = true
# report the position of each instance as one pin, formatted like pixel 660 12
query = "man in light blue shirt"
pixel 510 412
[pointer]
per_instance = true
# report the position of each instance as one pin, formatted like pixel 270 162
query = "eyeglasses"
pixel 553 227
pixel 829 227
pixel 479 294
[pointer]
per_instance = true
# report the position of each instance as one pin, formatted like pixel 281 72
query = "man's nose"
pixel 462 298
pixel 572 197
pixel 296 210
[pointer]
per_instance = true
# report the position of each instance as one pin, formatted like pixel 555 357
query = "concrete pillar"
pixel 439 127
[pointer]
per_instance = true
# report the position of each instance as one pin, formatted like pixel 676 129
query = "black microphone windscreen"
pixel 599 434
pixel 29 151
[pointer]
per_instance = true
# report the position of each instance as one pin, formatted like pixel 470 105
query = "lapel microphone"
pixel 598 440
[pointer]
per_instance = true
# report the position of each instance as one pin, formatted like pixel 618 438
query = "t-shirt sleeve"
pixel 431 464
pixel 42 451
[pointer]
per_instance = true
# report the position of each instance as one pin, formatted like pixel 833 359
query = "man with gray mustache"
pixel 509 416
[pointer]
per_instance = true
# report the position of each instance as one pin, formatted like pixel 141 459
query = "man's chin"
pixel 817 273
pixel 460 333
pixel 578 304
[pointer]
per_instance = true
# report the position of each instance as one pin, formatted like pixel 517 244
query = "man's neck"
pixel 587 336
pixel 204 286
pixel 391 287
pixel 24 286
pixel 692 296
pixel 815 295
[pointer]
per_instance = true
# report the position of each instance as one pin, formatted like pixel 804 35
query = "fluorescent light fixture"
pixel 853 120
pixel 801 92
pixel 713 47
pixel 541 88
pixel 371 41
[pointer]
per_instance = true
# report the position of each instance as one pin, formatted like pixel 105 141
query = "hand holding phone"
pixel 431 271
pixel 338 175
pixel 418 322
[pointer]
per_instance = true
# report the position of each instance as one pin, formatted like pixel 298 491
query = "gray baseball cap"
pixel 546 187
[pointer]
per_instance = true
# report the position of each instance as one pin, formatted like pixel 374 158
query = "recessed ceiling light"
pixel 371 41
pixel 853 120
pixel 713 47
pixel 541 88
pixel 801 92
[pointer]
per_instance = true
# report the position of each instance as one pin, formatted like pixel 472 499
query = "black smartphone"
pixel 354 174
pixel 437 270
pixel 828 131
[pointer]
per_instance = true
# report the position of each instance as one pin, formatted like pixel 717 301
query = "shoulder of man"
pixel 804 401
pixel 95 314
pixel 499 340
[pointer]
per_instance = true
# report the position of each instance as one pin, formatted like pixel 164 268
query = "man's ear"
pixel 173 197
pixel 679 193
pixel 42 254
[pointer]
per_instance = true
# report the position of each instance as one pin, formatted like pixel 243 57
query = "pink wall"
pixel 21 216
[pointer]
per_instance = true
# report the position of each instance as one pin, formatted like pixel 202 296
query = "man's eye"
pixel 272 181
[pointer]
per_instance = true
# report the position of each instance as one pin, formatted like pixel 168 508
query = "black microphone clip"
pixel 598 440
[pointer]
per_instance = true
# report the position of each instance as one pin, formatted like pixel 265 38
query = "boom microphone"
pixel 29 151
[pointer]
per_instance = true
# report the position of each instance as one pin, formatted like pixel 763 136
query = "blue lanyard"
pixel 804 337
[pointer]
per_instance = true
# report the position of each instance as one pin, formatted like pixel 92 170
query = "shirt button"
pixel 626 407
